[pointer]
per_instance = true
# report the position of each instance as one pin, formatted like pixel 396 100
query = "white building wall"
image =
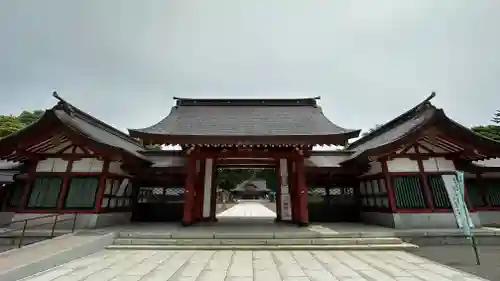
pixel 52 165
pixel 91 165
pixel 402 165
pixel 439 164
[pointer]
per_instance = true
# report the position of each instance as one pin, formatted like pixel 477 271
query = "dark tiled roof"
pixel 250 117
pixel 96 129
pixel 86 125
pixel 412 123
pixel 393 134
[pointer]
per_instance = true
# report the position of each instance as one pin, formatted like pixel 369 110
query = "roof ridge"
pixel 71 109
pixel 401 118
pixel 246 101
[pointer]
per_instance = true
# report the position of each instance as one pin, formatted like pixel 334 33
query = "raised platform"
pixel 262 233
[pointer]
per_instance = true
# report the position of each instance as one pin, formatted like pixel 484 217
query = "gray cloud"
pixel 124 60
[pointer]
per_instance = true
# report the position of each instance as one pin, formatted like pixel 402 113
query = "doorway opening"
pixel 246 193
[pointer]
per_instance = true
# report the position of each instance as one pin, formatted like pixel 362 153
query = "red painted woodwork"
pixel 425 182
pixel 292 189
pixel 102 186
pixel 303 214
pixel 64 186
pixel 213 196
pixel 270 153
pixel 253 162
pixel 278 191
pixel 189 191
pixel 388 186
pixel 198 209
pixel 27 186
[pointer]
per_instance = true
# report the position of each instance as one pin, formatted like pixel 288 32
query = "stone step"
pixel 259 235
pixel 374 247
pixel 250 242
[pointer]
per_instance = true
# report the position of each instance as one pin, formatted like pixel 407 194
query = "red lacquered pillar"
pixel 301 201
pixel 189 192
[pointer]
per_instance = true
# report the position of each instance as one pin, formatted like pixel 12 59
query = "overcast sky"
pixel 124 60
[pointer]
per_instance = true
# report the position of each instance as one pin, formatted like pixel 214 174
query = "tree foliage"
pixel 11 123
pixel 228 179
pixel 490 131
pixel 496 117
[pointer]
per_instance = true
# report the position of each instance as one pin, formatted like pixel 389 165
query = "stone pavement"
pixel 252 266
pixel 248 210
pixel 463 258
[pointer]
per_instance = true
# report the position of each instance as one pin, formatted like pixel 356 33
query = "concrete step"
pixel 254 242
pixel 375 247
pixel 257 235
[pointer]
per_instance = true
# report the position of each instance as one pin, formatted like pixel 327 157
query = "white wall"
pixel 88 165
pixel 439 164
pixel 52 165
pixel 402 165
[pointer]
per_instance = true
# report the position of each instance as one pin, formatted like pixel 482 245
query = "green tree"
pixel 28 117
pixel 490 131
pixel 496 117
pixel 228 179
pixel 10 123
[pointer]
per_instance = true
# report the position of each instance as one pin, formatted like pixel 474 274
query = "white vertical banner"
pixel 455 188
pixel 286 207
pixel 207 187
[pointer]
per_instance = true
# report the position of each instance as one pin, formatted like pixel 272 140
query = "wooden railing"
pixel 25 225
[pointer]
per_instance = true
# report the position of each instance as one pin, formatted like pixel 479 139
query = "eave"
pixel 475 146
pixel 252 140
pixel 16 146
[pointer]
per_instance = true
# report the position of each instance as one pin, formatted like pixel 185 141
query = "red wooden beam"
pixel 102 186
pixel 425 182
pixel 388 185
pixel 244 153
pixel 243 162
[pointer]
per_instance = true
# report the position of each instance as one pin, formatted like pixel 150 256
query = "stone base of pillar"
pixel 186 223
pixel 277 219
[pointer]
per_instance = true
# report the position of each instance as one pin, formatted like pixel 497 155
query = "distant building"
pixel 251 189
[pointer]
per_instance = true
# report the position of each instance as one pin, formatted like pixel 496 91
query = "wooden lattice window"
pixel 475 193
pixel 44 192
pixel 409 192
pixel 493 192
pixel 373 194
pixel 117 193
pixel 82 192
pixel 438 190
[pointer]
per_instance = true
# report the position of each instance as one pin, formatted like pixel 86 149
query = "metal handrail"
pixel 25 226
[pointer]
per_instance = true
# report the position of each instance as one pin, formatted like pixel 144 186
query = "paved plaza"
pixel 252 265
pixel 248 210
